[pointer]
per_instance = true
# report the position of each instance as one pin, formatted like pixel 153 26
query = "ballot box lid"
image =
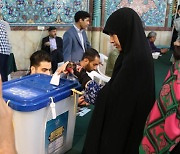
pixel 34 92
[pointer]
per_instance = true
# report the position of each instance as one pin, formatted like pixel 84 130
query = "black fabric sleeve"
pixel 82 77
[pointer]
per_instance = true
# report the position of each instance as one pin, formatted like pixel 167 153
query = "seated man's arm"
pixel 67 47
pixel 91 87
pixel 7 142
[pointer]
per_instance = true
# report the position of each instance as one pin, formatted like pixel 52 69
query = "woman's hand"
pixel 82 102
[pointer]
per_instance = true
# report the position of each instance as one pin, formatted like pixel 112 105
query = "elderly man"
pixel 151 39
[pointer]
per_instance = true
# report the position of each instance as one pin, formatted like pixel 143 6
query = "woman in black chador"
pixel 122 106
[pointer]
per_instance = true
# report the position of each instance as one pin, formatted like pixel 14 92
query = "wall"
pixel 163 39
pixel 25 15
pixel 24 43
pixel 41 12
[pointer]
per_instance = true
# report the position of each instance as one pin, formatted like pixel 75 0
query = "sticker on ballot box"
pixel 56 131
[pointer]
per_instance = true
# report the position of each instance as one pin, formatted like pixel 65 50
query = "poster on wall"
pixel 41 12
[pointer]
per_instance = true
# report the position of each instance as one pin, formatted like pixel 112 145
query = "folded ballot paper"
pixel 55 79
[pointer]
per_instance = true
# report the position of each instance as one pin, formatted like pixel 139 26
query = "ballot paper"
pixel 55 79
pixel 83 111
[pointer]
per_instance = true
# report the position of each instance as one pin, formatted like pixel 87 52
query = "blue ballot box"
pixel 43 114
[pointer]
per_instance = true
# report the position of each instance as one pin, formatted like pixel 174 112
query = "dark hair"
pixel 178 7
pixel 81 15
pixel 176 52
pixel 51 28
pixel 38 57
pixel 91 54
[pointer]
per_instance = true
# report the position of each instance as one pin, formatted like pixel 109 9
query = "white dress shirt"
pixel 80 36
pixel 53 45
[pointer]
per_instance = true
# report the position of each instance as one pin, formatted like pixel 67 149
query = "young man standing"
pixel 75 41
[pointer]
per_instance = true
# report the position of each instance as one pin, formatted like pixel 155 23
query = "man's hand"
pixel 62 68
pixel 47 44
pixel 7 143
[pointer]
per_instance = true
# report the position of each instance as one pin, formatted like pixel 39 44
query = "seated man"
pixel 53 45
pixel 151 39
pixel 40 62
pixel 89 62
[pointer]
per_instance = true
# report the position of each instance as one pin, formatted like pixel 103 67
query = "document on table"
pixel 83 111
